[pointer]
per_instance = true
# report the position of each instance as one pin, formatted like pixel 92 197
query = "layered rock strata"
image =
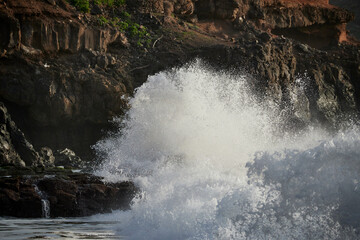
pixel 36 26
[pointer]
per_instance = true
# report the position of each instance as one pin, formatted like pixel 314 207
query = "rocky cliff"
pixel 354 7
pixel 65 73
pixel 15 149
pixel 298 19
pixel 29 180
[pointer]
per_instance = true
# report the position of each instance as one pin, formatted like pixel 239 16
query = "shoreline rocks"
pixel 67 194
pixel 31 186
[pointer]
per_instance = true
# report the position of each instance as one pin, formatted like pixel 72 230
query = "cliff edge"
pixel 67 69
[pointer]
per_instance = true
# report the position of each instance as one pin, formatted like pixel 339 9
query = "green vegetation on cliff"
pixel 121 20
pixel 110 3
pixel 84 5
pixel 81 5
pixel 125 24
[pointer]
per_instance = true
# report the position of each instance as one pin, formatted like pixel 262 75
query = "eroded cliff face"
pixel 63 76
pixel 311 85
pixel 53 71
pixel 36 26
pixel 316 23
pixel 60 87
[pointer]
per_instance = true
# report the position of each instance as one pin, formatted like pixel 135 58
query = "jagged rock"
pixel 23 147
pixel 68 158
pixel 69 196
pixel 15 149
pixel 47 157
pixel 315 84
pixel 8 154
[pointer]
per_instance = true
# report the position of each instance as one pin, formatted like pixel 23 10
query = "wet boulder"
pixel 47 157
pixel 68 158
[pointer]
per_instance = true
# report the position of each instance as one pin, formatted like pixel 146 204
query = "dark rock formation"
pixel 47 155
pixel 68 158
pixel 57 90
pixel 24 190
pixel 15 149
pixel 70 195
pixel 311 85
pixel 74 100
pixel 18 198
pixel 63 76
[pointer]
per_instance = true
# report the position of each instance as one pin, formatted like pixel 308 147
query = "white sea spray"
pixel 213 162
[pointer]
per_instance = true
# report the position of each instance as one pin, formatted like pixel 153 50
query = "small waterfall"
pixel 45 204
pixel 45 208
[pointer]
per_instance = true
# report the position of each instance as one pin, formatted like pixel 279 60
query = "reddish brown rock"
pixel 37 25
pixel 292 18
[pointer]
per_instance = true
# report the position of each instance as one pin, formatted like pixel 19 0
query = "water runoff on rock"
pixel 45 204
pixel 213 162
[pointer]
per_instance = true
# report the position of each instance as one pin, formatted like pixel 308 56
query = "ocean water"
pixel 213 161
pixel 59 228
